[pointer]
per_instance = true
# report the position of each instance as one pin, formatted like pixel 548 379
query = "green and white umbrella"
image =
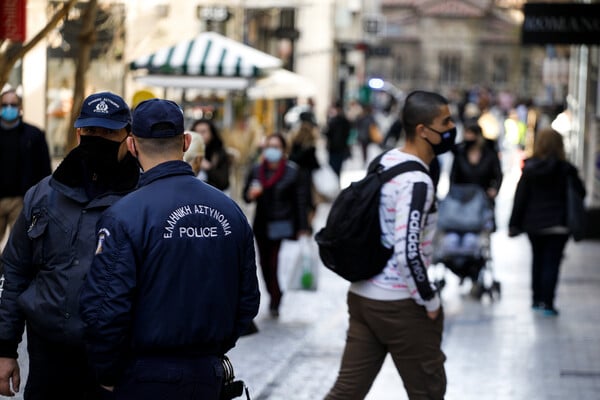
pixel 209 55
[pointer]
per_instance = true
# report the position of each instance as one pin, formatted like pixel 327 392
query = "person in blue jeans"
pixel 539 210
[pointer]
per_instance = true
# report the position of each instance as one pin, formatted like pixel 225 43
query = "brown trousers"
pixel 10 207
pixel 402 329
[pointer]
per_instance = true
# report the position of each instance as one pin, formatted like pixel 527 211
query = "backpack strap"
pixel 374 165
pixel 405 166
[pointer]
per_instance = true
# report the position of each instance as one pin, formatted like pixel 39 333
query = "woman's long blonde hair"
pixel 549 143
pixel 306 135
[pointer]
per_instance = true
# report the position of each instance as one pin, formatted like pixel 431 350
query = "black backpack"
pixel 350 243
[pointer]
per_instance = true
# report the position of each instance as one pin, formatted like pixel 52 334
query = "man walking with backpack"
pixel 398 310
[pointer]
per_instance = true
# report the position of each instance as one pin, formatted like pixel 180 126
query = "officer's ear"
pixel 78 132
pixel 131 146
pixel 187 141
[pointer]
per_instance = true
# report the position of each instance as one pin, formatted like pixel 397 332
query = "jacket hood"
pixel 537 167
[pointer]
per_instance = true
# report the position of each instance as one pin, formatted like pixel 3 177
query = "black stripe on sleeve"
pixel 416 218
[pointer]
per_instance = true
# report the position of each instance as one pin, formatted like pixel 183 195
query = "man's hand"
pixel 303 233
pixel 9 373
pixel 433 314
pixel 492 193
pixel 512 231
pixel 108 388
pixel 205 164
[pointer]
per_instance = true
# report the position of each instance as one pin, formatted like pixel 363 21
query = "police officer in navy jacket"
pixel 50 250
pixel 173 284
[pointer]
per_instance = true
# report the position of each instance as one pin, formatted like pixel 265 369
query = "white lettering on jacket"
pixel 176 215
pixel 198 232
pixel 412 246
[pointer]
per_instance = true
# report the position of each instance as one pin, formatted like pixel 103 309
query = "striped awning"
pixel 209 54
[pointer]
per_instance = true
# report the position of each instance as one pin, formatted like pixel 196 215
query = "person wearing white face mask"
pixel 280 192
pixel 24 158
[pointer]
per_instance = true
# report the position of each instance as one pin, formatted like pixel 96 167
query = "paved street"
pixel 500 350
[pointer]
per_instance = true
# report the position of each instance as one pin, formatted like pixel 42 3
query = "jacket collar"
pixel 69 179
pixel 166 169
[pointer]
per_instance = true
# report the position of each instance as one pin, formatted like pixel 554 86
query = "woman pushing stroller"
pixel 476 162
pixel 466 215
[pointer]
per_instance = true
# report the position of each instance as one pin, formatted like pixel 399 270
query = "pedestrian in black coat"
pixel 304 153
pixel 476 162
pixel 337 132
pixel 540 211
pixel 24 158
pixel 279 190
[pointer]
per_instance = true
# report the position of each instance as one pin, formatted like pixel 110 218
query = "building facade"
pixel 443 45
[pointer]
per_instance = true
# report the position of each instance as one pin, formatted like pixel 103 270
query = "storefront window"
pixel 450 71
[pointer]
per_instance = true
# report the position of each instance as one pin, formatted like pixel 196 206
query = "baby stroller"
pixel 463 240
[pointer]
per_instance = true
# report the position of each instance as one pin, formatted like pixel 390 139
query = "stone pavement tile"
pixel 388 384
pixel 259 358
pixel 507 345
pixel 310 381
pixel 306 330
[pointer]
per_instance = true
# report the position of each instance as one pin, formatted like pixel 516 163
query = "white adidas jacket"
pixel 408 221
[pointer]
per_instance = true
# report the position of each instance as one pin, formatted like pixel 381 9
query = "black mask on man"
pixel 100 155
pixel 102 168
pixel 447 142
pixel 469 143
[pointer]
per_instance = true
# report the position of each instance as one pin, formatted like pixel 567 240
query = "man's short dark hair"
pixel 421 107
pixel 281 139
pixel 14 91
pixel 157 146
pixel 474 127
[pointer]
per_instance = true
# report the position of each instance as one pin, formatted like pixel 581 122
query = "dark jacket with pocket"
pixel 49 254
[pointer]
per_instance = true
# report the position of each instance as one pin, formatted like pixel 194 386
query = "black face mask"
pixel 102 168
pixel 447 142
pixel 94 166
pixel 99 154
pixel 469 143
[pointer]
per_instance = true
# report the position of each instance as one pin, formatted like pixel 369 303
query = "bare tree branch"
pixel 87 38
pixel 14 51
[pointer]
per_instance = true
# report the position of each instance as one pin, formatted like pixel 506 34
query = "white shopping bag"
pixel 304 272
pixel 326 182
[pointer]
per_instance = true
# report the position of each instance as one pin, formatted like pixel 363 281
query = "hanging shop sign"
pixel 214 13
pixel 12 20
pixel 553 23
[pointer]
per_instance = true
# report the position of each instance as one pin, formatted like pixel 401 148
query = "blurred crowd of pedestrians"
pixel 476 138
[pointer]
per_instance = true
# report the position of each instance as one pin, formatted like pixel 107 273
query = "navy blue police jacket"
pixel 48 254
pixel 174 273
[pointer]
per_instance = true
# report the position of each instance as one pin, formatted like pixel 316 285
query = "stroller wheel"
pixel 496 289
pixel 477 290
